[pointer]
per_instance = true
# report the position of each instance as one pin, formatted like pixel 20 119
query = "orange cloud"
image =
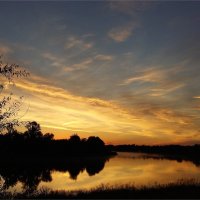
pixel 62 112
pixel 4 49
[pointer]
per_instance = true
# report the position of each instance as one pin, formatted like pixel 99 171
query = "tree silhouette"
pixel 74 139
pixel 48 136
pixel 34 131
pixel 9 107
pixel 95 144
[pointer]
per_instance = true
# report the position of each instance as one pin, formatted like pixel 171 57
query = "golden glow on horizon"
pixel 63 113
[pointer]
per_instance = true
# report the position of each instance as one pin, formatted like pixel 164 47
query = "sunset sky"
pixel 126 71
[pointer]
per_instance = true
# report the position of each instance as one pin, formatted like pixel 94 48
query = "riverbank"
pixel 186 189
pixel 170 152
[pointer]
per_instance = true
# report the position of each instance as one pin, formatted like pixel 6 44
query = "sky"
pixel 126 71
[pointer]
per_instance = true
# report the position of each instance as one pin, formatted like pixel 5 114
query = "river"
pixel 125 168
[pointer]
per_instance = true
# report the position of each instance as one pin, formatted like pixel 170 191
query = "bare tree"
pixel 9 106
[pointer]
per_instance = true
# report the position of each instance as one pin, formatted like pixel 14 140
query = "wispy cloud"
pixel 78 66
pixel 62 63
pixel 86 63
pixel 166 89
pixel 149 75
pixel 54 59
pixel 103 57
pixel 161 81
pixel 83 64
pixel 122 33
pixel 129 7
pixel 74 42
pixel 172 116
pixel 154 74
pixel 4 49
pixel 50 56
pixel 160 113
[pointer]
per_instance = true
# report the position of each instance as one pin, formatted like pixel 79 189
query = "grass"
pixel 184 189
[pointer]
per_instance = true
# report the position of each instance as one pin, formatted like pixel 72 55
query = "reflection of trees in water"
pixel 169 152
pixel 181 158
pixel 29 176
pixel 32 173
pixel 94 168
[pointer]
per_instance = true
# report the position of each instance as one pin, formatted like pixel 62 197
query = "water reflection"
pixel 195 161
pixel 32 173
pixel 87 173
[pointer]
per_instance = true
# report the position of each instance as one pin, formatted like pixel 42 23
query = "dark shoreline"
pixel 170 152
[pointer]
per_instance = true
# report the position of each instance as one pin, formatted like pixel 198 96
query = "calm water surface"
pixel 125 168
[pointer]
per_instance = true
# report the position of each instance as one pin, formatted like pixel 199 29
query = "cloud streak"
pixel 108 119
pixel 73 42
pixel 129 7
pixel 4 49
pixel 122 33
pixel 81 65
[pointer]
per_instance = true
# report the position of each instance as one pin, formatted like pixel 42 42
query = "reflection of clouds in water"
pixel 122 169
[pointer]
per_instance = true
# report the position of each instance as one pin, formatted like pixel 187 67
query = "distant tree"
pixel 74 144
pixel 75 139
pixel 13 135
pixel 48 136
pixel 34 130
pixel 95 144
pixel 95 141
pixel 9 107
pixel 83 140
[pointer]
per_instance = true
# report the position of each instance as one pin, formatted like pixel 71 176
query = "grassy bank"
pixel 182 189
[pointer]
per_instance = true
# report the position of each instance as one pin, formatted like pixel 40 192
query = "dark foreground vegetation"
pixel 172 152
pixel 33 143
pixel 180 190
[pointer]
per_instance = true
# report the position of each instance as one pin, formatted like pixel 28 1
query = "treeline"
pixel 34 143
pixel 177 152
